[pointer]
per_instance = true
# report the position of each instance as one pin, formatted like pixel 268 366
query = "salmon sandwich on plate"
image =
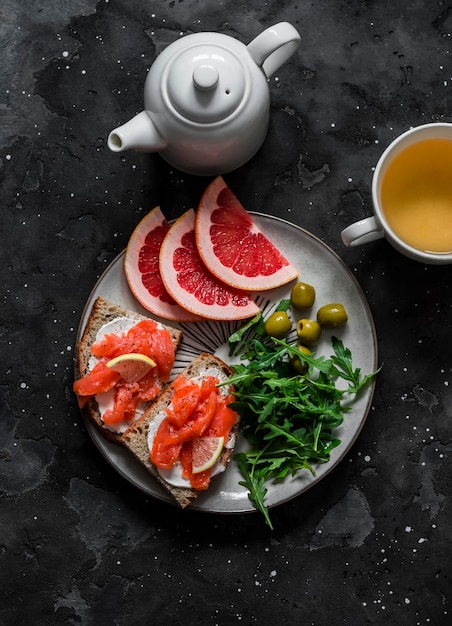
pixel 188 434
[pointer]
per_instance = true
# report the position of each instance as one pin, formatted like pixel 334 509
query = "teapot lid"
pixel 206 83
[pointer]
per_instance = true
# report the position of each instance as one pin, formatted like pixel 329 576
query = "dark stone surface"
pixel 78 545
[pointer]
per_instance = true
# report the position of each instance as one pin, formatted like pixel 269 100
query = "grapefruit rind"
pixel 189 282
pixel 233 247
pixel 157 302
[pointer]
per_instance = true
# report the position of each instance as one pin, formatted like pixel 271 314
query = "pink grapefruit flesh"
pixel 141 266
pixel 233 247
pixel 189 282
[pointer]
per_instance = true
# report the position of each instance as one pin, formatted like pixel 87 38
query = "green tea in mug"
pixel 416 195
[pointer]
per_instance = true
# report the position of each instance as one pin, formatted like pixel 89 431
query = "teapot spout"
pixel 139 133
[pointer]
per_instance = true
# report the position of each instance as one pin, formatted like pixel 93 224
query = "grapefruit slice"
pixel 141 266
pixel 233 247
pixel 189 282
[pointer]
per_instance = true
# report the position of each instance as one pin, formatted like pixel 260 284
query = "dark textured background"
pixel 78 545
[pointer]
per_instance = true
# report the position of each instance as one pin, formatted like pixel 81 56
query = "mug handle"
pixel 362 232
pixel 271 48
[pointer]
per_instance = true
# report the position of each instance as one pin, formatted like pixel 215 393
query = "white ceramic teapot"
pixel 207 102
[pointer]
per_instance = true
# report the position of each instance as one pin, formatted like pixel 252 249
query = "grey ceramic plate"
pixel 333 281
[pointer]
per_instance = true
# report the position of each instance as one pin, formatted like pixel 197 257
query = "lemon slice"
pixel 206 452
pixel 132 367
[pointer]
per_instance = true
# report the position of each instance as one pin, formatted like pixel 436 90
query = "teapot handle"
pixel 271 48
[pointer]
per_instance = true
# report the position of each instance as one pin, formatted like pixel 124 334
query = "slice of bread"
pixel 102 313
pixel 136 437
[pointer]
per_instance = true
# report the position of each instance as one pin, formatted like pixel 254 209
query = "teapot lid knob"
pixel 205 77
pixel 206 83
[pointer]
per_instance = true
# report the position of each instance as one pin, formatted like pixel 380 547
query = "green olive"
pixel 308 331
pixel 296 363
pixel 278 324
pixel 302 296
pixel 332 315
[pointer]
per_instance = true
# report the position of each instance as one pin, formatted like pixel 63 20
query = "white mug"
pixel 421 175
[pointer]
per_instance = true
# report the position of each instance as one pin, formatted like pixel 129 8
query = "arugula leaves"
pixel 287 418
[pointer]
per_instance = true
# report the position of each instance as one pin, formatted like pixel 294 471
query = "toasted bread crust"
pixel 101 313
pixel 135 439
